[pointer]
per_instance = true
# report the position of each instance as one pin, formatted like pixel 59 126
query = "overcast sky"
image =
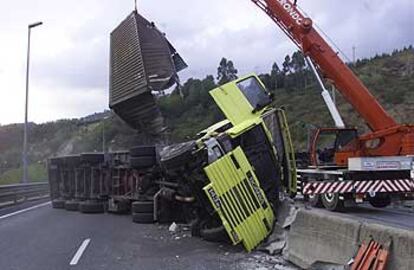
pixel 70 52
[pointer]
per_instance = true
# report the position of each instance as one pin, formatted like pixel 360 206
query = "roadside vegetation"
pixel 189 109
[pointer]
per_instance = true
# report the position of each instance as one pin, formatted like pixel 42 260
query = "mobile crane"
pixel 376 162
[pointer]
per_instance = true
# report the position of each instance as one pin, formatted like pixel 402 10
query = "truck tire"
pixel 58 204
pixel 122 207
pixel 314 200
pixel 142 162
pixel 72 205
pixel 143 218
pixel 143 207
pixel 92 207
pixel 177 155
pixel 218 234
pixel 140 151
pixel 332 202
pixel 380 202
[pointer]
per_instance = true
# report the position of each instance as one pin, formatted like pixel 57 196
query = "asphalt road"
pixel 44 238
pixel 401 217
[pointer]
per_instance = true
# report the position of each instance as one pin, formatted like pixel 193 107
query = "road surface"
pixel 35 236
pixel 44 238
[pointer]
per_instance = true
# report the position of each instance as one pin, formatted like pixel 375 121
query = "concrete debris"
pixel 286 213
pixel 173 227
pixel 276 248
pixel 260 260
pixel 326 266
pixel 275 243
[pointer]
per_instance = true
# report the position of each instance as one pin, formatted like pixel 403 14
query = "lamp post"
pixel 25 163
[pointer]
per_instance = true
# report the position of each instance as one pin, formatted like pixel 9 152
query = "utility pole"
pixel 25 162
pixel 353 55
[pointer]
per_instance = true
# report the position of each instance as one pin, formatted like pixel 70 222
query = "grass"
pixel 37 173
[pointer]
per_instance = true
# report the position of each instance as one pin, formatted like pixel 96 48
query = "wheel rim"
pixel 329 197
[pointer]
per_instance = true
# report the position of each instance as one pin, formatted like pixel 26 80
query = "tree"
pixel 298 62
pixel 277 77
pixel 226 71
pixel 286 65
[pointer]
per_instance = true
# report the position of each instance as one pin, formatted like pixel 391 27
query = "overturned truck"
pixel 225 184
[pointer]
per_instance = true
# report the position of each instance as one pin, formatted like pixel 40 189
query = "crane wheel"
pixel 332 202
pixel 380 202
pixel 314 200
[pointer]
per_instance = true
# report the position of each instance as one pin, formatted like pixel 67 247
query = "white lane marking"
pixel 24 210
pixel 80 251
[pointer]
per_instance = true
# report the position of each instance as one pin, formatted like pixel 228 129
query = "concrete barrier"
pixel 402 245
pixel 319 236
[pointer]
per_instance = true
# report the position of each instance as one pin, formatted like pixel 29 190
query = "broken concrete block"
pixel 173 227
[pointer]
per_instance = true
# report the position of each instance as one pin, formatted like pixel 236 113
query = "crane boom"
pixel 300 29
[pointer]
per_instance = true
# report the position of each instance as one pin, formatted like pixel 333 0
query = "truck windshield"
pixel 255 93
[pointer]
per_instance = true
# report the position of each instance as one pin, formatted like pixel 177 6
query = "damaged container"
pixel 142 61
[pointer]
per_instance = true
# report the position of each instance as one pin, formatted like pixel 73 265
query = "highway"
pixel 44 238
pixel 400 217
pixel 36 236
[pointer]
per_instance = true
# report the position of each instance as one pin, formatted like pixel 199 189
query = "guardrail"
pixel 12 194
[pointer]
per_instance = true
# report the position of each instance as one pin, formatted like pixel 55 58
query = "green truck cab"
pixel 250 163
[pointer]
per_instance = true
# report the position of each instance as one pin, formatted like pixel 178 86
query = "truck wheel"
pixel 218 234
pixel 177 155
pixel 58 204
pixel 143 218
pixel 143 207
pixel 142 162
pixel 140 151
pixel 120 207
pixel 380 202
pixel 72 205
pixel 91 207
pixel 332 202
pixel 314 200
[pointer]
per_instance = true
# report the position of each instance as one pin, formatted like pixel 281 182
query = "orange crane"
pixel 388 137
pixel 377 166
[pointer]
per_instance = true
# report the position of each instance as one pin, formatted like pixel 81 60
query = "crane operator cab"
pixel 325 143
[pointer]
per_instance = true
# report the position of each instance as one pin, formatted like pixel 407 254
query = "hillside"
pixel 190 109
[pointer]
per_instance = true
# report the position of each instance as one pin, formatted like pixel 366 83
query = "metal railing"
pixel 12 194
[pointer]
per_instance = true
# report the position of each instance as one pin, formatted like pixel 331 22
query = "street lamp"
pixel 25 171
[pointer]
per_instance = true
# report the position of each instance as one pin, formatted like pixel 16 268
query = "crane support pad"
pixel 237 197
pixel 378 186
